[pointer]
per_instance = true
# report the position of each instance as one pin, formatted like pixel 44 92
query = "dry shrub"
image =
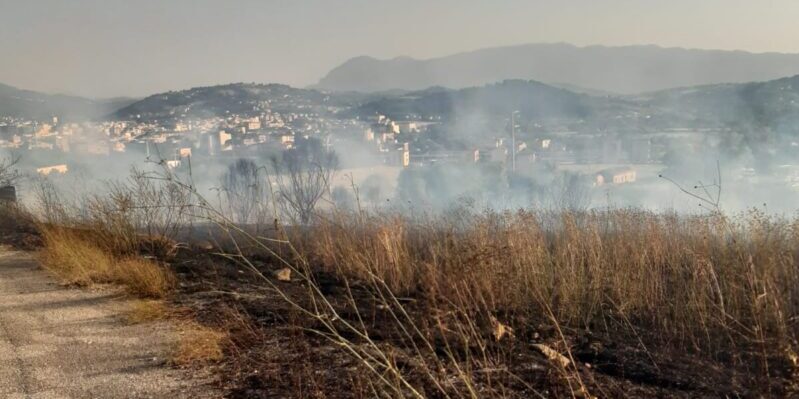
pixel 700 281
pixel 76 257
pixel 144 278
pixel 708 285
pixel 199 344
pixel 127 217
pixel 147 310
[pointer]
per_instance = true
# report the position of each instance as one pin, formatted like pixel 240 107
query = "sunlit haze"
pixel 106 48
pixel 399 199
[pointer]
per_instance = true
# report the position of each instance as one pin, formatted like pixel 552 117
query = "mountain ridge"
pixel 219 100
pixel 617 69
pixel 772 104
pixel 22 103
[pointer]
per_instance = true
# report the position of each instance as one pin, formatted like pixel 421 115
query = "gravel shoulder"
pixel 57 342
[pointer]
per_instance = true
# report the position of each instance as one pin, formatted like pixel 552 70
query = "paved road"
pixel 66 343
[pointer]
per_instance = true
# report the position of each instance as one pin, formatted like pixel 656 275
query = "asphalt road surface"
pixel 57 342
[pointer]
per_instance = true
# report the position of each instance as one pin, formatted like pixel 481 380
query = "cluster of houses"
pixel 392 139
pixel 180 138
pixel 173 140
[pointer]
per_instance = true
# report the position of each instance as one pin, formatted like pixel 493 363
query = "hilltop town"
pixel 527 128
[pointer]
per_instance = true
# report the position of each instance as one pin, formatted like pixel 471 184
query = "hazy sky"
pixel 138 47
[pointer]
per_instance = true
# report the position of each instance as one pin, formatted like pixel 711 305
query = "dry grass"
pixel 714 286
pixel 199 344
pixel 74 259
pixel 698 280
pixel 147 310
pixel 144 278
pixel 77 258
pixel 707 285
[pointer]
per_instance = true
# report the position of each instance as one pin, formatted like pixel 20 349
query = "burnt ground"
pixel 276 350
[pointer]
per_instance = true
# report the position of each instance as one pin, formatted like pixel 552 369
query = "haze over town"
pixel 399 199
pixel 115 48
pixel 425 106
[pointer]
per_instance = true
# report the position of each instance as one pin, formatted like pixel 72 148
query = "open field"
pixel 460 303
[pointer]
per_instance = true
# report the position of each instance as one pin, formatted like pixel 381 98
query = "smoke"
pixel 567 147
pixel 746 159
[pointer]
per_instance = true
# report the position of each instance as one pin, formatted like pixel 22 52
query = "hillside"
pixel 773 104
pixel 28 104
pixel 536 102
pixel 530 97
pixel 625 70
pixel 241 98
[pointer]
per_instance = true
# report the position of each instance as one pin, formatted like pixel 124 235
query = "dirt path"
pixel 66 343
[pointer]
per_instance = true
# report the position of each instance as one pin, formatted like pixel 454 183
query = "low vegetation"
pixel 74 259
pixel 199 344
pixel 77 259
pixel 148 310
pixel 463 303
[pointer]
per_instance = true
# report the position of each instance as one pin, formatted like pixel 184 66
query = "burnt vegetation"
pixel 320 301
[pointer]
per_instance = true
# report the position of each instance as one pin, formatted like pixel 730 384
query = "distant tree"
pixel 303 175
pixel 243 189
pixel 8 171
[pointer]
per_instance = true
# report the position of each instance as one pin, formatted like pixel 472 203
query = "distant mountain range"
pixel 28 104
pixel 771 104
pixel 623 70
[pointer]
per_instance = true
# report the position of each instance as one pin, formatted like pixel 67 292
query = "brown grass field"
pixel 613 303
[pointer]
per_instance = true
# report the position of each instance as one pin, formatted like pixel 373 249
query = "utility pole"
pixel 513 140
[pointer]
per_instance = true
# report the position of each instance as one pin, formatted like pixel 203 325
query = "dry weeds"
pixel 144 278
pixel 417 301
pixel 148 310
pixel 698 280
pixel 75 257
pixel 711 286
pixel 199 345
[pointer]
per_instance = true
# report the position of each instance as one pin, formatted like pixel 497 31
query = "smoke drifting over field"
pixel 740 160
pixel 735 145
pixel 746 182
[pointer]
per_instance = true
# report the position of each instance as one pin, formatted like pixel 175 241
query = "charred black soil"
pixel 277 351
